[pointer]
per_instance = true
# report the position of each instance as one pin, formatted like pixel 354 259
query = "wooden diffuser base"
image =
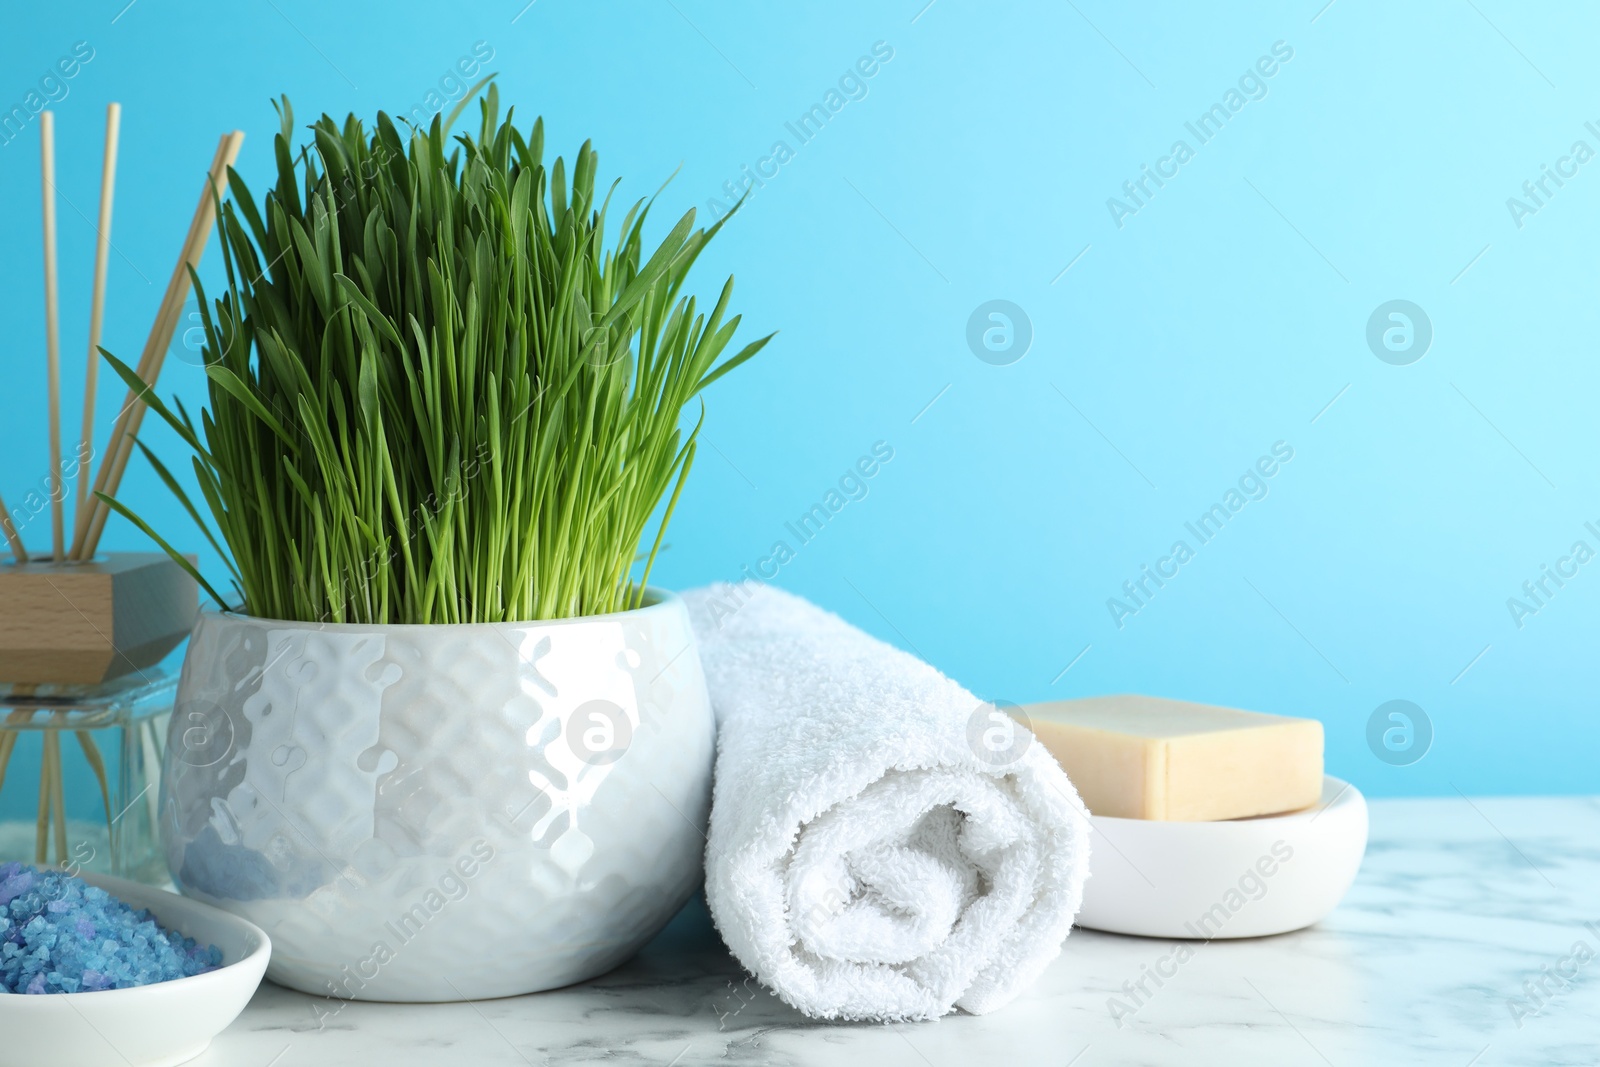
pixel 86 623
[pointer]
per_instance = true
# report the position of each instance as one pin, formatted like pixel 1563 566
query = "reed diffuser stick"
pixel 58 790
pixel 41 835
pixel 97 305
pixel 109 476
pixel 10 529
pixel 83 519
pixel 52 327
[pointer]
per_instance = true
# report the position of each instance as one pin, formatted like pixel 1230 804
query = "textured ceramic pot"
pixel 425 813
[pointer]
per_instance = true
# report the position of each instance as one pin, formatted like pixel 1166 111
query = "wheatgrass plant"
pixel 436 395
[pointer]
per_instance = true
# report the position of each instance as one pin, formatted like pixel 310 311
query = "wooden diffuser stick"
pixel 83 520
pixel 10 530
pixel 52 328
pixel 109 475
pixel 97 305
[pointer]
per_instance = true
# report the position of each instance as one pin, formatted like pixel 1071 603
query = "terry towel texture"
pixel 881 846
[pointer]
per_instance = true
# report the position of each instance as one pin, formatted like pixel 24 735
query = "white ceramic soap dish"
pixel 157 1025
pixel 1240 878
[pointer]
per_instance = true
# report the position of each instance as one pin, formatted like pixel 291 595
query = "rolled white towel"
pixel 882 845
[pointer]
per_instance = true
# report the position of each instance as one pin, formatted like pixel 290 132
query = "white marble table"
pixel 1458 904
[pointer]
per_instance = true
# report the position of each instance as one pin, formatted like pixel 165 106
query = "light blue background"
pixel 1223 317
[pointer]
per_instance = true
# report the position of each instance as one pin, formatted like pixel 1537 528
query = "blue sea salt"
pixel 58 934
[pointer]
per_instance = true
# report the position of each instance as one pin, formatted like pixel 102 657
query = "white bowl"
pixel 150 1026
pixel 1239 878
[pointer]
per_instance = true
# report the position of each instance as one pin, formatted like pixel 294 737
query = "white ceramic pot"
pixel 428 813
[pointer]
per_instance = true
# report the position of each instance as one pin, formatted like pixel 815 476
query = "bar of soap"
pixel 1138 757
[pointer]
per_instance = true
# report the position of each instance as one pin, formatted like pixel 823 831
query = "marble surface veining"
pixel 1462 910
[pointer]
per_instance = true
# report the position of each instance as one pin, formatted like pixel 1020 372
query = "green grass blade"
pixel 177 557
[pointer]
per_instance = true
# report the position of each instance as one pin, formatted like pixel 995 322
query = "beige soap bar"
pixel 1137 757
